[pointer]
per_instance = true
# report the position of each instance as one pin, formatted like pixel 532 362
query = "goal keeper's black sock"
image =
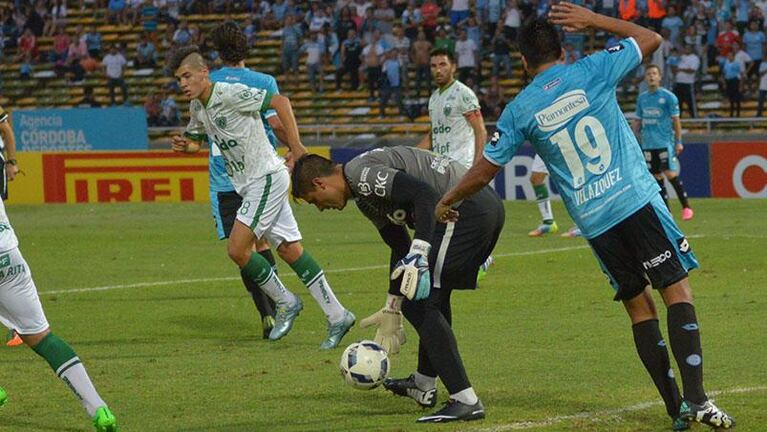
pixel 663 191
pixel 654 355
pixel 676 182
pixel 685 343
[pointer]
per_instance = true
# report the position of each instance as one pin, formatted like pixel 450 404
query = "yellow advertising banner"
pixel 103 177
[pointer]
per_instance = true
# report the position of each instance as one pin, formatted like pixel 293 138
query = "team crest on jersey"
pixel 221 122
pixel 447 110
pixel 662 101
pixel 196 106
pixel 245 94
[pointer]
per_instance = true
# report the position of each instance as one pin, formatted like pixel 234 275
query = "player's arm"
pixel 677 134
pixel 284 109
pixel 6 131
pixel 576 18
pixel 479 176
pixel 425 142
pixel 480 133
pixel 398 240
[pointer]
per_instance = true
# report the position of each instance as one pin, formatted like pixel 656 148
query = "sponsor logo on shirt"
pixel 615 48
pixel 562 110
pixel 658 260
pixel 551 84
pixel 221 122
pixel 651 112
pixel 380 184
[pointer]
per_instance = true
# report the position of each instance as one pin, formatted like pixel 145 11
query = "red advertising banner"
pixel 739 170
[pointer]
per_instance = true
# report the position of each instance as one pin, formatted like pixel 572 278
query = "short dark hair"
pixel 653 66
pixel 178 56
pixel 307 168
pixel 230 42
pixel 436 52
pixel 539 42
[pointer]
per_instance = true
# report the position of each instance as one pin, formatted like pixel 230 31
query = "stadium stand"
pixel 62 68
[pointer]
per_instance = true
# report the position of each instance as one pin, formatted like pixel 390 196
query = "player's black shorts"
pixel 228 204
pixel 3 179
pixel 639 250
pixel 659 160
pixel 459 249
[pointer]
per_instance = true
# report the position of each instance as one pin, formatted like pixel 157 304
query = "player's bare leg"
pixel 548 225
pixel 676 183
pixel 653 352
pixel 308 270
pixel 256 268
pixel 684 335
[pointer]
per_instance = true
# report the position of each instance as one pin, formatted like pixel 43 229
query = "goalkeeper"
pixel 396 188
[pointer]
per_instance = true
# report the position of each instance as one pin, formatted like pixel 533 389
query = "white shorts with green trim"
pixel 20 307
pixel 538 165
pixel 266 210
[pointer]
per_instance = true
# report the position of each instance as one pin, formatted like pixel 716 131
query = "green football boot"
pixel 3 397
pixel 680 424
pixel 104 420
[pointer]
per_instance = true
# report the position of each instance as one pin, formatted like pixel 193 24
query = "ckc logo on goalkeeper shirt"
pixel 562 110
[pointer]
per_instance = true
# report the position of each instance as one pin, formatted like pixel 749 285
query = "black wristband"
pixel 11 162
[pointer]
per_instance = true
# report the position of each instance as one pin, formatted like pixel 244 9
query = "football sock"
pixel 685 343
pixel 544 205
pixel 269 257
pixel 259 270
pixel 663 191
pixel 67 366
pixel 654 355
pixel 437 338
pixel 424 382
pixel 466 397
pixel 264 304
pixel 313 277
pixel 676 182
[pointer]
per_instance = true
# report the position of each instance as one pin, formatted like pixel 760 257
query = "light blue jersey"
pixel 219 180
pixel 570 115
pixel 655 110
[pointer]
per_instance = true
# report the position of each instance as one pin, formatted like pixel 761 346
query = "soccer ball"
pixel 364 365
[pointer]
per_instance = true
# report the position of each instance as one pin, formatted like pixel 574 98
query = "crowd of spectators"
pixel 384 44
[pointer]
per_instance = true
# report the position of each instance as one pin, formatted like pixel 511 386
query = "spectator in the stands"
pixel 401 44
pixel 421 60
pixel 58 17
pixel 430 13
pixel 744 60
pixel 372 55
pixel 330 46
pixel 170 10
pixel 28 49
pixel 491 102
pixel 675 25
pixel 169 115
pixel 116 13
pixel 182 36
pixel 754 40
pixel 495 9
pixel 628 10
pixel 501 53
pixel 694 39
pixel 411 19
pixel 291 37
pixel 656 11
pixel 152 109
pixel 198 37
pixel 88 101
pixel 384 16
pixel 25 68
pixel 762 84
pixel 250 29
pixel 41 8
pixel 318 18
pixel 35 21
pixel 712 31
pixel 572 55
pixel 344 23
pixel 279 8
pixel 361 6
pixel 444 40
pixel 146 53
pixel 726 38
pixel 90 64
pixel 114 68
pixel 351 50
pixel 60 46
pixel 686 70
pixel 459 11
pixel 512 20
pixel 150 15
pixel 314 62
pixel 93 41
pixel 467 56
pixel 391 82
pixel 732 72
pixel 133 11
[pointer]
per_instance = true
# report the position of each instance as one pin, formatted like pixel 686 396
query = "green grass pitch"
pixel 173 341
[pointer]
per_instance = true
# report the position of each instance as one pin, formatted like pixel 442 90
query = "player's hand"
pixel 571 17
pixel 445 213
pixel 414 269
pixel 11 170
pixel 298 151
pixel 679 148
pixel 390 333
pixel 290 161
pixel 179 144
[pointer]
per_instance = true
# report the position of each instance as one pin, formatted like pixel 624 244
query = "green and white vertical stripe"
pixel 262 202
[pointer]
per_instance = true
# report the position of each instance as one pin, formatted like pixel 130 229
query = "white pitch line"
pixel 232 278
pixel 606 413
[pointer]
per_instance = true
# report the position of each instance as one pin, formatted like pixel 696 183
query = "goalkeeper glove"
pixel 390 333
pixel 414 269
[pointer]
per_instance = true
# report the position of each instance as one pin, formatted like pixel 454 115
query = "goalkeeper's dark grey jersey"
pixel 370 176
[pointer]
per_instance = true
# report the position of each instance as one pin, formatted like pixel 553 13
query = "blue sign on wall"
pixel 81 129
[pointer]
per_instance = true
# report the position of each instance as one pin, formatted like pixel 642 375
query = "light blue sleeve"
pixel 617 61
pixel 272 88
pixel 506 139
pixel 673 105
